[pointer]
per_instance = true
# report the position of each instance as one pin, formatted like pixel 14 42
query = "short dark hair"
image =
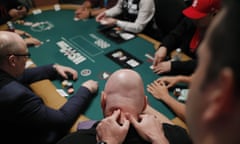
pixel 224 44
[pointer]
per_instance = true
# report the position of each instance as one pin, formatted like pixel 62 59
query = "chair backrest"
pixel 168 14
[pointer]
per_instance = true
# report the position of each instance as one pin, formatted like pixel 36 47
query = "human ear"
pixel 221 98
pixel 145 103
pixel 103 100
pixel 12 60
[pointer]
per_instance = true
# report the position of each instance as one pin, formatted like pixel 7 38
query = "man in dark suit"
pixel 24 116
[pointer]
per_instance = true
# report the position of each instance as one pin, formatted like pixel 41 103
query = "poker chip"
pixel 86 72
pixel 28 23
pixel 68 86
pixel 64 83
pixel 177 92
pixel 57 7
pixel 37 11
pixel 70 91
pixel 104 75
pixel 76 19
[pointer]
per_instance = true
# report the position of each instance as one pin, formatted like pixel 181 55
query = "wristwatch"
pixel 101 142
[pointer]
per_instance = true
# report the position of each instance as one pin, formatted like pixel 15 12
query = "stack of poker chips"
pixel 68 85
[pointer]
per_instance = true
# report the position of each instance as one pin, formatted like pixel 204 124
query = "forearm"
pixel 87 4
pixel 163 119
pixel 184 79
pixel 38 73
pixel 95 12
pixel 145 15
pixel 178 107
pixel 130 26
pixel 160 140
pixel 114 11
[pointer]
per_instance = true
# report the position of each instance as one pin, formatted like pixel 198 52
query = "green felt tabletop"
pixel 51 27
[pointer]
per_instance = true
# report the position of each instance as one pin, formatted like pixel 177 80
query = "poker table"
pixel 80 45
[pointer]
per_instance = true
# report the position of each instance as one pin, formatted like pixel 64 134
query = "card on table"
pixel 123 58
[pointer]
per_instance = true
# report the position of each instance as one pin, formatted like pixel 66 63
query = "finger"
pixel 74 75
pixel 149 89
pixel 170 85
pixel 126 123
pixel 116 114
pixel 155 61
pixel 133 121
pixel 162 84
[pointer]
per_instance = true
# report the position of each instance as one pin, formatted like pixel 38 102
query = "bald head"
pixel 124 90
pixel 10 43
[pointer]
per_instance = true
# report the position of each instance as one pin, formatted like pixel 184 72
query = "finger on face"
pixel 116 114
pixel 133 120
pixel 125 123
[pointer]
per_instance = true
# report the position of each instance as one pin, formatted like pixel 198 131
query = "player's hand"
pixel 82 13
pixel 162 67
pixel 158 90
pixel 91 85
pixel 110 131
pixel 149 128
pixel 160 55
pixel 32 41
pixel 22 11
pixel 170 81
pixel 65 71
pixel 15 13
pixel 22 33
pixel 100 16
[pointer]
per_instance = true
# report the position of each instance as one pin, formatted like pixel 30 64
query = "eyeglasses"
pixel 25 55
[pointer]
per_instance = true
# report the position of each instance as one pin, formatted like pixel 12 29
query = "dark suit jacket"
pixel 23 116
pixel 174 134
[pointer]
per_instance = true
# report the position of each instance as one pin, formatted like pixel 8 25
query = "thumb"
pixel 133 121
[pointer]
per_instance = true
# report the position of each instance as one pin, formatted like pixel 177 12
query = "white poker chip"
pixel 105 75
pixel 57 7
pixel 86 72
pixel 151 67
pixel 28 23
pixel 76 19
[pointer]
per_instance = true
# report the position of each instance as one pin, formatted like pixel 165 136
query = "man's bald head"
pixel 124 90
pixel 10 43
